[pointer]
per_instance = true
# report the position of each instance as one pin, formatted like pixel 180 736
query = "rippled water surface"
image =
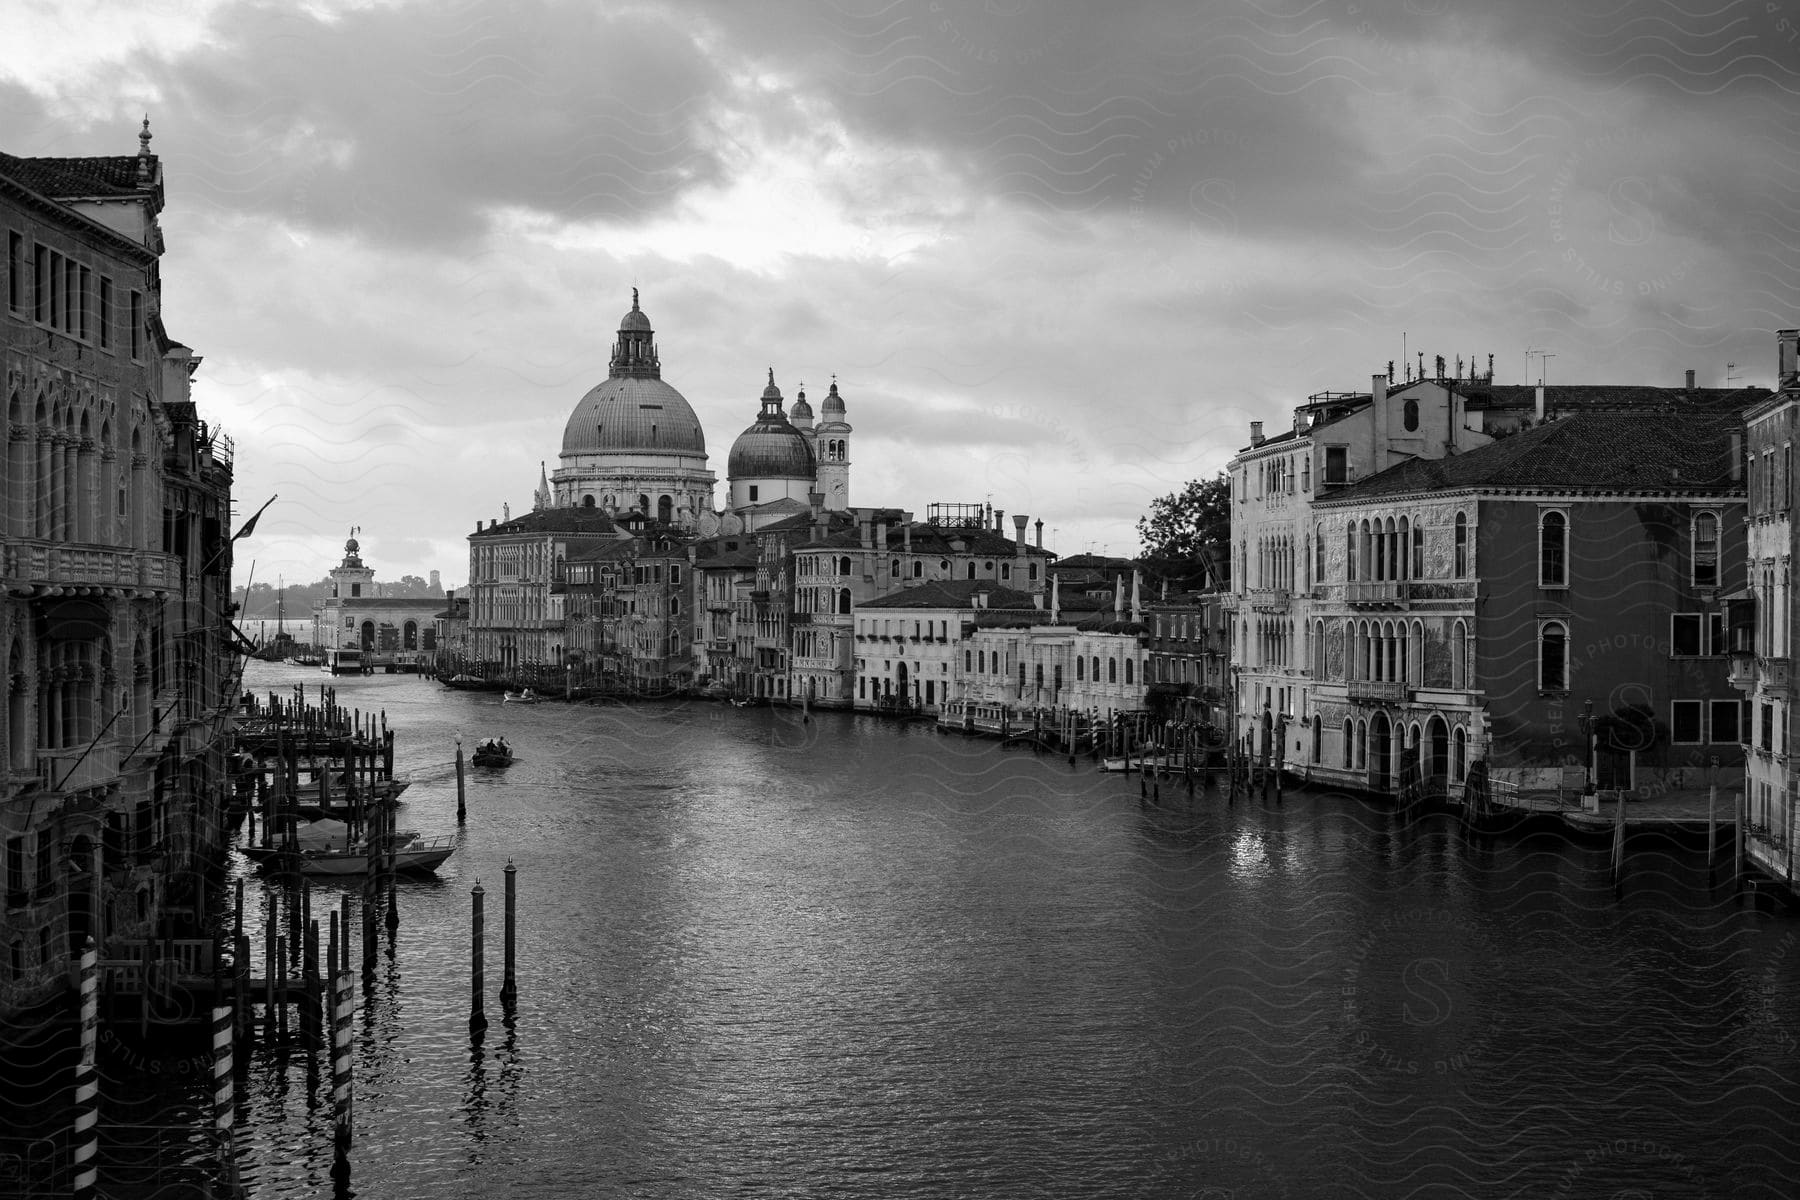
pixel 844 957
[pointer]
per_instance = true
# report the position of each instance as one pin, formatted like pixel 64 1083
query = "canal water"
pixel 764 955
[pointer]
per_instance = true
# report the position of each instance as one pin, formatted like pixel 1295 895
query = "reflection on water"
pixel 838 956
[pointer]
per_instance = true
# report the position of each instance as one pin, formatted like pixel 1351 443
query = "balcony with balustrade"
pixel 1375 691
pixel 1269 600
pixel 49 566
pixel 1376 593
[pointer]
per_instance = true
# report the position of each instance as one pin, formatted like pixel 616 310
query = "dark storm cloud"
pixel 410 124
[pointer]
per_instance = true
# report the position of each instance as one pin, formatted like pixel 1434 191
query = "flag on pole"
pixel 248 526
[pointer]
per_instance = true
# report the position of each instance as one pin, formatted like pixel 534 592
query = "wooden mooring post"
pixel 462 812
pixel 477 1014
pixel 509 985
pixel 84 1138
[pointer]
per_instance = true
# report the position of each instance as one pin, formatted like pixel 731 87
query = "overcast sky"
pixel 1058 254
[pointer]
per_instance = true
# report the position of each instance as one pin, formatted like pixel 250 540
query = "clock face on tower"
pixel 837 489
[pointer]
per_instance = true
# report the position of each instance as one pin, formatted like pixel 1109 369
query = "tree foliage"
pixel 1192 525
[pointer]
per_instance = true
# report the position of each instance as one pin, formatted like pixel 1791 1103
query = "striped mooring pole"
pixel 223 1100
pixel 84 1141
pixel 343 1010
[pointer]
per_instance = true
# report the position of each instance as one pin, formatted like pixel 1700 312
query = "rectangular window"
pixel 40 286
pixel 15 872
pixel 1765 727
pixel 753 493
pixel 1337 464
pixel 16 264
pixel 136 317
pixel 46 867
pixel 1787 475
pixel 84 308
pixel 674 575
pixel 1725 721
pixel 106 313
pixel 1686 631
pixel 1715 634
pixel 1684 722
pixel 1306 473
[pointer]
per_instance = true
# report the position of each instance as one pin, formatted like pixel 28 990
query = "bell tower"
pixel 831 442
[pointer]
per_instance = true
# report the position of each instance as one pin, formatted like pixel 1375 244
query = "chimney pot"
pixel 1040 533
pixel 1787 371
pixel 1256 433
pixel 1690 381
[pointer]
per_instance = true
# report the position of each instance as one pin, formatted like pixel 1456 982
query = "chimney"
pixel 1540 402
pixel 1055 598
pixel 1690 381
pixel 1019 523
pixel 1378 396
pixel 1137 608
pixel 1039 523
pixel 1118 596
pixel 862 531
pixel 1256 433
pixel 450 599
pixel 1787 367
pixel 906 538
pixel 1000 521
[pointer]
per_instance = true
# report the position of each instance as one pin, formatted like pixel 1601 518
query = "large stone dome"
pixel 634 411
pixel 634 414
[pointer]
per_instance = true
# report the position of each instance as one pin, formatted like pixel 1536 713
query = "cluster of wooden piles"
pixel 302 760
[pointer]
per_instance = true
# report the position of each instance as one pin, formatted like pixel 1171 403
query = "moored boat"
pixel 525 697
pixel 326 848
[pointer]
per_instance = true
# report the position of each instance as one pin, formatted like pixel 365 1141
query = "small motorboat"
pixel 525 697
pixel 493 752
pixel 325 848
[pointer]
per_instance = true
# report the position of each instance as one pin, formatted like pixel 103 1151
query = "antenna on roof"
pixel 1730 373
pixel 1540 355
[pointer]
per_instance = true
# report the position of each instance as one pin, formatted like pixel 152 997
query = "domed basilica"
pixel 633 443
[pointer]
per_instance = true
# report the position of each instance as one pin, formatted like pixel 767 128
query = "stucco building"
pixel 117 563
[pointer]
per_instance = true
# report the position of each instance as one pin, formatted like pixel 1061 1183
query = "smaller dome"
pixel 768 451
pixel 771 392
pixel 834 403
pixel 635 320
pixel 801 410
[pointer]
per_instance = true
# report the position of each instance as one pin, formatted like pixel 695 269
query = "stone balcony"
pixel 1772 674
pixel 36 564
pixel 1376 593
pixel 1269 600
pixel 69 769
pixel 1373 691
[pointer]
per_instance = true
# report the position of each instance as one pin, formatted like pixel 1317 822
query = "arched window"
pixel 981 662
pixel 1400 568
pixel 587 501
pixel 1458 669
pixel 1459 750
pixel 1318 739
pixel 1553 550
pixel 1349 744
pixel 1319 563
pixel 1080 674
pixel 1418 551
pixel 644 502
pixel 1128 670
pixel 1553 656
pixel 844 601
pixel 844 566
pixel 1706 550
pixel 1112 670
pixel 1461 563
pixel 410 636
pixel 1409 416
pixel 1350 553
pixel 665 509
